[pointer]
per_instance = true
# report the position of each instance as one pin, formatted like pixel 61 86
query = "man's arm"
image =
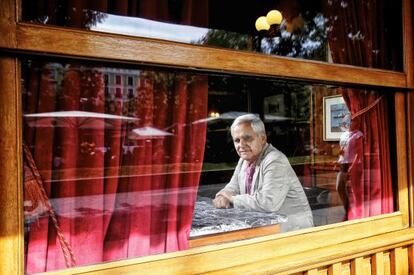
pixel 222 199
pixel 273 186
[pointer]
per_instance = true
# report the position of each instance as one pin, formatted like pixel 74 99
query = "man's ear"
pixel 263 139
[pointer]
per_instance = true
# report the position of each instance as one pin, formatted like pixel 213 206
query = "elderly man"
pixel 263 179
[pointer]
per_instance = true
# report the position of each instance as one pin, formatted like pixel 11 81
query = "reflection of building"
pixel 120 83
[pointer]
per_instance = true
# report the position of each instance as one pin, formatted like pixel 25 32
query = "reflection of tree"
pixel 304 36
pixel 291 135
pixel 62 13
pixel 93 17
pixel 225 39
pixel 295 98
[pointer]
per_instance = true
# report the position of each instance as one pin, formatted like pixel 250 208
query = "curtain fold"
pixel 356 37
pixel 117 194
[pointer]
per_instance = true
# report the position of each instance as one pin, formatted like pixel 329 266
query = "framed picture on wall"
pixel 334 111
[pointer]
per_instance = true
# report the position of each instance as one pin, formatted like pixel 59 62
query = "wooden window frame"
pixel 284 249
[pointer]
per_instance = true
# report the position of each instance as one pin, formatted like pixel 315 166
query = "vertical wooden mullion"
pixel 8 19
pixel 408 46
pixel 410 138
pixel 411 258
pixel 357 266
pixel 399 262
pixel 11 176
pixel 11 209
pixel 335 269
pixel 377 263
pixel 408 43
pixel 401 140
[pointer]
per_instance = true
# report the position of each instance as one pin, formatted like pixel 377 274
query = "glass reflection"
pixel 125 162
pixel 149 28
pixel 361 33
pixel 116 155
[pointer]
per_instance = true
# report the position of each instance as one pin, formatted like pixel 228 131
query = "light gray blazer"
pixel 275 188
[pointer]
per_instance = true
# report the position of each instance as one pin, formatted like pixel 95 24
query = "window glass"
pixel 362 33
pixel 122 169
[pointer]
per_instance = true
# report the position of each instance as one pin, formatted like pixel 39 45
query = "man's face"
pixel 248 144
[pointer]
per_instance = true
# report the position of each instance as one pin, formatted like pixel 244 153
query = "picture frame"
pixel 334 110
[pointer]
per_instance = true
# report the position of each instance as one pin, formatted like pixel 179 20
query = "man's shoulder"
pixel 272 153
pixel 271 150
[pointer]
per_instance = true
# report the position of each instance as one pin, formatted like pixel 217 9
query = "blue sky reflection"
pixel 149 28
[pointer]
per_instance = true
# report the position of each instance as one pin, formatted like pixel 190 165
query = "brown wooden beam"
pixel 8 15
pixel 86 44
pixel 408 45
pixel 11 199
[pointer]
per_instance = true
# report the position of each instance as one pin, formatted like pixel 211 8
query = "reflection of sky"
pixel 149 28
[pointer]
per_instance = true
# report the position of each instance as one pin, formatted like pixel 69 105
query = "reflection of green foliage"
pixel 93 17
pixel 304 37
pixel 301 102
pixel 225 39
pixel 296 99
pixel 305 41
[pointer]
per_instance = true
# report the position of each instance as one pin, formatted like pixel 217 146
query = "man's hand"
pixel 221 202
pixel 223 199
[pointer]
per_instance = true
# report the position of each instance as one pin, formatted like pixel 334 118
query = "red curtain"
pixel 116 194
pixel 357 37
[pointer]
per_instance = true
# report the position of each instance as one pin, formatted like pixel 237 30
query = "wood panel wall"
pixel 398 261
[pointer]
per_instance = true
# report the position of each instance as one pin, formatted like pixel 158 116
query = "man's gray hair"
pixel 255 122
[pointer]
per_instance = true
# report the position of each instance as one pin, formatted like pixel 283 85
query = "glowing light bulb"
pixel 274 17
pixel 214 114
pixel 261 24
